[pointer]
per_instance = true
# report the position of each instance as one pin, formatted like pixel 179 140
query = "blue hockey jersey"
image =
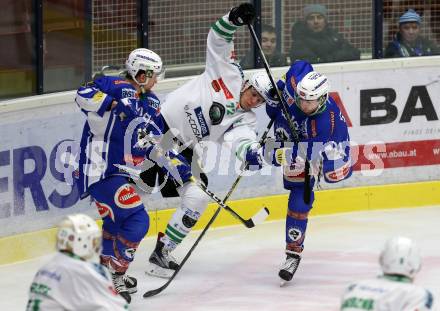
pixel 110 135
pixel 324 136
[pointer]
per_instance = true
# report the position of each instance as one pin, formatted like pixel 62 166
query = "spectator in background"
pixel 315 41
pixel 269 43
pixel 408 42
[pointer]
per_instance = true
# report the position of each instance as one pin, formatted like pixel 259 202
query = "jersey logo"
pixel 230 108
pixel 127 197
pixel 225 89
pixel 154 102
pixel 332 122
pixel 128 93
pixel 294 233
pixel 339 174
pixel 193 125
pixel 98 97
pixel 116 82
pixel 338 101
pixel 204 129
pixel 216 113
pixel 215 85
pixel 104 210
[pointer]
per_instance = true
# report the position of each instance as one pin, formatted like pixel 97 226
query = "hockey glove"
pixel 243 14
pixel 178 169
pixel 254 158
pixel 124 109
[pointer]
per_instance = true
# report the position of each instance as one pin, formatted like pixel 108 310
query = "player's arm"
pixel 240 139
pixel 293 154
pixel 419 299
pixel 90 98
pixel 220 46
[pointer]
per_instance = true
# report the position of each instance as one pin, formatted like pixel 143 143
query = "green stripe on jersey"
pixel 224 35
pixel 227 26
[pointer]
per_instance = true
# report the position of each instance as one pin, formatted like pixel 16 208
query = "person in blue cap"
pixel 408 42
pixel 315 41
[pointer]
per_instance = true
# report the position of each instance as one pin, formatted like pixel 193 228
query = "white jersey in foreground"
pixel 67 283
pixel 207 107
pixel 386 293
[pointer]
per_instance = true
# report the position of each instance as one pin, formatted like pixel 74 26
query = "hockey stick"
pixel 262 214
pixel 249 223
pixel 307 188
pixel 259 217
pixel 237 180
pixel 160 289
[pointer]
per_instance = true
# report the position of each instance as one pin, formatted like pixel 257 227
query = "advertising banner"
pixel 392 114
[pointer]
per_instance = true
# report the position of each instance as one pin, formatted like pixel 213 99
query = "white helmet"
pixel 400 256
pixel 261 83
pixel 314 86
pixel 79 234
pixel 146 60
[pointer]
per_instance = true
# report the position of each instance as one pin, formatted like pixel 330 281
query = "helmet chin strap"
pixel 141 84
pixel 318 109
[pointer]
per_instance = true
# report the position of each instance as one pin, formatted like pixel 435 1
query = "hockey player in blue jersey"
pixel 323 134
pixel 116 108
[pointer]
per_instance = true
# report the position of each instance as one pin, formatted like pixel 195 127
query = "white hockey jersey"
pixel 67 283
pixel 206 108
pixel 386 293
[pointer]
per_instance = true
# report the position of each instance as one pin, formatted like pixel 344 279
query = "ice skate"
pixel 161 263
pixel 289 267
pixel 130 283
pixel 120 287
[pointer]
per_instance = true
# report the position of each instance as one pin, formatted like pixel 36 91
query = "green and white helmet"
pixel 400 256
pixel 79 234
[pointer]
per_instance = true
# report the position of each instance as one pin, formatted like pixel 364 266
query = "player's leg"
pixel 125 223
pixel 193 203
pixel 296 226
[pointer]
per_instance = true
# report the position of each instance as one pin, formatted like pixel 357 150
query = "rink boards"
pixel 406 195
pixel 391 107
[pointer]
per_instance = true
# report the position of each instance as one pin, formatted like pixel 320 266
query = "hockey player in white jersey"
pixel 215 103
pixel 74 279
pixel 393 291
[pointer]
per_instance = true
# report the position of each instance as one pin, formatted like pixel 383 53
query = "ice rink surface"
pixel 236 268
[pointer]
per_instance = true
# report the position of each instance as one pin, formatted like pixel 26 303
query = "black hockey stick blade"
pixel 160 289
pixel 258 218
pixel 251 222
pixel 154 292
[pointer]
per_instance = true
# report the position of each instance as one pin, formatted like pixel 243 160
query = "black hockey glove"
pixel 242 14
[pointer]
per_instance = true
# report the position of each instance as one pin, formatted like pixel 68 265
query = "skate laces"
pixel 118 282
pixel 291 263
pixel 128 280
pixel 166 254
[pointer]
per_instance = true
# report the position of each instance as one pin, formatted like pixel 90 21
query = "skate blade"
pixel 156 271
pixel 283 283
